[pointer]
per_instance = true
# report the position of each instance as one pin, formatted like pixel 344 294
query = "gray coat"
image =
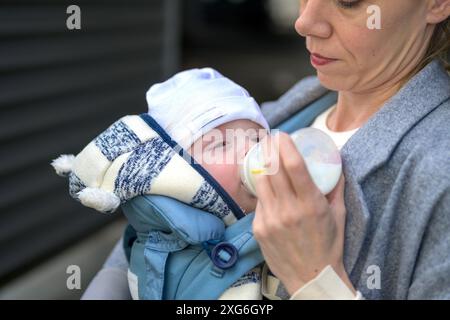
pixel 397 195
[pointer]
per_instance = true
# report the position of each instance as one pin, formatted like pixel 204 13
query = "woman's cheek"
pixel 368 55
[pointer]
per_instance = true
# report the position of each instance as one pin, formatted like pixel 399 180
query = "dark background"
pixel 59 88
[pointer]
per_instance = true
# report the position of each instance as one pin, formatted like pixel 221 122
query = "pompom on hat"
pixel 139 154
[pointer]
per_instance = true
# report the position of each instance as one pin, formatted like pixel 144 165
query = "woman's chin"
pixel 332 82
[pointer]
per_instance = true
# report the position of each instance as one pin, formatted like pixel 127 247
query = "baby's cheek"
pixel 226 175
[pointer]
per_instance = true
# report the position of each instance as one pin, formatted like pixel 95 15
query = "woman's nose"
pixel 312 20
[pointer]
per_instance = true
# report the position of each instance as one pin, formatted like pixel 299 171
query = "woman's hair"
pixel 439 46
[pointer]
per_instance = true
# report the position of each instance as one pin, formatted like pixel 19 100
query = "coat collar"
pixel 373 144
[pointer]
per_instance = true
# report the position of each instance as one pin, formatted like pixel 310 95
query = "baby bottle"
pixel 318 150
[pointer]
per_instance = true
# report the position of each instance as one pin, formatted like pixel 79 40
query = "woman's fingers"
pixel 295 167
pixel 338 192
pixel 263 210
pixel 336 200
pixel 259 223
pixel 336 197
pixel 278 177
pixel 298 230
pixel 264 190
pixel 286 179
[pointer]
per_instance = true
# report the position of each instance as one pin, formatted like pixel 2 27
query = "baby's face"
pixel 222 150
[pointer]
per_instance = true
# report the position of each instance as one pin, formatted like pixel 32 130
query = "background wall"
pixel 253 42
pixel 60 87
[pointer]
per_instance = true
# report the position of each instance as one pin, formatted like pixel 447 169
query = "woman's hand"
pixel 299 230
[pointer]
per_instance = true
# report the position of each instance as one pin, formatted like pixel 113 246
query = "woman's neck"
pixel 354 109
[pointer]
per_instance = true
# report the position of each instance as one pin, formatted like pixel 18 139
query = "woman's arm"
pixel 111 282
pixel 299 230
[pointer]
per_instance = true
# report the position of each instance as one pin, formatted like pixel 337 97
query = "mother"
pixel 397 165
pixel 393 88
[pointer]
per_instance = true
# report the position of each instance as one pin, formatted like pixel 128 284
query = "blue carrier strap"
pixel 306 116
pixel 217 255
pixel 172 226
pixel 206 278
pixel 189 224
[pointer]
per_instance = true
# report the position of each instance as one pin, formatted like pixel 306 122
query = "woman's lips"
pixel 318 60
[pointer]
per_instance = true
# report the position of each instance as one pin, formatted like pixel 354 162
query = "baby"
pixel 189 146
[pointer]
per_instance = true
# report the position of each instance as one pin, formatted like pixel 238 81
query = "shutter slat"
pixel 59 50
pixel 79 109
pixel 51 19
pixel 37 85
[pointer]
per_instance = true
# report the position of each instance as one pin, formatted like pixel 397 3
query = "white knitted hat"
pixel 195 101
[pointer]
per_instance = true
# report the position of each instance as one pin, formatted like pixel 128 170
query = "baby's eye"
pixel 221 144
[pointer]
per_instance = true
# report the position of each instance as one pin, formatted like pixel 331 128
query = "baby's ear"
pixel 438 11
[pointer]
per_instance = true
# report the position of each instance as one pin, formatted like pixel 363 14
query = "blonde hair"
pixel 439 46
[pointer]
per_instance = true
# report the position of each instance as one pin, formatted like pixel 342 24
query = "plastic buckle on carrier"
pixel 224 255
